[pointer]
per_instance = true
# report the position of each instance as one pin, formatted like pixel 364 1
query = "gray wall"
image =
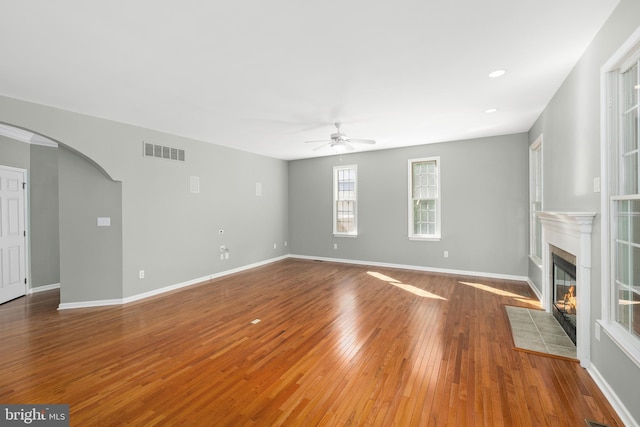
pixel 90 256
pixel 571 127
pixel 484 207
pixel 14 153
pixel 167 231
pixel 43 216
pixel 173 234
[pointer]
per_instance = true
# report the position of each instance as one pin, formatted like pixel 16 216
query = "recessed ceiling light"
pixel 491 110
pixel 497 73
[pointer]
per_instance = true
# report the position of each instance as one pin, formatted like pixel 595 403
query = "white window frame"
pixel 438 201
pixel 535 200
pixel 611 123
pixel 336 232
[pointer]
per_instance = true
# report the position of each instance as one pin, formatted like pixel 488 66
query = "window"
pixel 625 204
pixel 345 189
pixel 424 198
pixel 535 200
pixel 621 197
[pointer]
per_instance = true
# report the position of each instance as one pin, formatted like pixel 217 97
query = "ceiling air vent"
pixel 162 152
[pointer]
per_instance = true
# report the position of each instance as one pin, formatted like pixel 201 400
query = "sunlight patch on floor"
pixel 382 277
pixel 501 293
pixel 486 288
pixel 409 288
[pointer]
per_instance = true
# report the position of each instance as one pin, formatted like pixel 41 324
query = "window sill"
pixel 621 338
pixel 425 238
pixel 344 235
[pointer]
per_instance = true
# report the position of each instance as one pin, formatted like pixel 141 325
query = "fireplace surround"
pixel 570 232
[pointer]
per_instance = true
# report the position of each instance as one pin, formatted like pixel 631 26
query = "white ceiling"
pixel 265 76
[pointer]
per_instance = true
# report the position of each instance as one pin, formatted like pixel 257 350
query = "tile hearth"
pixel 539 331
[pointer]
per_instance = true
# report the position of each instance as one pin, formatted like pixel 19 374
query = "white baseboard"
pixel 535 290
pixel 137 297
pixel 612 397
pixel 44 288
pixel 87 304
pixel 416 267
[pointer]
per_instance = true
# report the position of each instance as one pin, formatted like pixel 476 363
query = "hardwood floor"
pixel 336 344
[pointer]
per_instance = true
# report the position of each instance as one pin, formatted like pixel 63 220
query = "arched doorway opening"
pixel 36 156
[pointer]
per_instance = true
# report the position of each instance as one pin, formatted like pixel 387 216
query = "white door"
pixel 13 269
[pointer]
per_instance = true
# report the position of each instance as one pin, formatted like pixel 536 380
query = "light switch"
pixel 104 221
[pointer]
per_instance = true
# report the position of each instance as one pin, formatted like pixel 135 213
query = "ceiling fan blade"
pixel 318 140
pixel 362 141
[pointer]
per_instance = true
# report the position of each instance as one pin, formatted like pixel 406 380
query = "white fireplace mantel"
pixel 571 232
pixel 572 222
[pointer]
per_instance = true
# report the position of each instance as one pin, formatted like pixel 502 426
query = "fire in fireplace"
pixel 565 291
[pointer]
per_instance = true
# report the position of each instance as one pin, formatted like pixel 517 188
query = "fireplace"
pixel 565 293
pixel 568 234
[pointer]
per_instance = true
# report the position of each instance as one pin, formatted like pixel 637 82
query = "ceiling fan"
pixel 340 141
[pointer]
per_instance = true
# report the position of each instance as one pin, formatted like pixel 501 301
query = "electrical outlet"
pixel 596 185
pixel 275 246
pixel 285 244
pixel 446 254
pixel 141 274
pixel 335 246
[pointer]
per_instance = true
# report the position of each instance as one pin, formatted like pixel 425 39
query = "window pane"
pixel 623 220
pixel 345 199
pixel 629 138
pixel 630 174
pixel 628 221
pixel 634 268
pixel 346 184
pixel 629 81
pixel 424 214
pixel 431 167
pixel 622 254
pixel 424 194
pixel 628 264
pixel 345 216
pixel 624 297
pixel 629 311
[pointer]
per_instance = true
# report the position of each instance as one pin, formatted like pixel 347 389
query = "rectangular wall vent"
pixel 162 152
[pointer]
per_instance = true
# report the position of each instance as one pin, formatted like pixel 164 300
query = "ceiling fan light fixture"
pixel 339 148
pixel 340 142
